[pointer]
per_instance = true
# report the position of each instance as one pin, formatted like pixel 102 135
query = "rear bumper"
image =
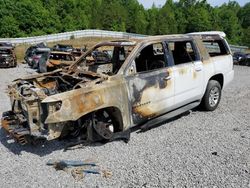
pixel 11 124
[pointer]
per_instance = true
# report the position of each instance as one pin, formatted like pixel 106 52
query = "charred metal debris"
pixel 79 169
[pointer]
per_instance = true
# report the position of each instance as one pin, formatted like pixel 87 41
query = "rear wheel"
pixel 212 96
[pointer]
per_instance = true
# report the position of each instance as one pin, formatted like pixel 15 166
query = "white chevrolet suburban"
pixel 121 84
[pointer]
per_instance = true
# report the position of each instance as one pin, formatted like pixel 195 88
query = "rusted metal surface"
pixel 72 100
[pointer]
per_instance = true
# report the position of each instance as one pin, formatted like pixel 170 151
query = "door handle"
pixel 167 78
pixel 198 69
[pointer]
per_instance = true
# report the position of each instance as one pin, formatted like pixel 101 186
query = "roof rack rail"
pixel 220 33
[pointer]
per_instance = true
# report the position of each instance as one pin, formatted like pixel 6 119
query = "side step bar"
pixel 151 123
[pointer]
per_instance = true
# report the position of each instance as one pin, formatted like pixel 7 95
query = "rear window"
pixel 216 47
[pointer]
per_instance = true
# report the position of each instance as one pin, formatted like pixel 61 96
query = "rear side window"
pixel 183 51
pixel 216 47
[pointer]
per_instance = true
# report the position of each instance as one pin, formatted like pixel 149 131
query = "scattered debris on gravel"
pixel 197 149
pixel 79 169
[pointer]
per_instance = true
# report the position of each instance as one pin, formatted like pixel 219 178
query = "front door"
pixel 151 87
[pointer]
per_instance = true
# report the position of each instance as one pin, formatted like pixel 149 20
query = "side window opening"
pixel 215 47
pixel 150 58
pixel 183 52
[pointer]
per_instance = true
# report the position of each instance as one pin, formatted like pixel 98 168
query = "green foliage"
pixel 246 37
pixel 11 26
pixel 244 15
pixel 229 22
pixel 166 19
pixel 20 18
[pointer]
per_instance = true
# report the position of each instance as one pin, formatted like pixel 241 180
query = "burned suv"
pixel 7 57
pixel 141 84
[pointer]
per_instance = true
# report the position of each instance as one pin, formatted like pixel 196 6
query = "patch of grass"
pixel 79 42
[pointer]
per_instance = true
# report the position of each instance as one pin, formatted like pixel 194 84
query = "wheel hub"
pixel 214 96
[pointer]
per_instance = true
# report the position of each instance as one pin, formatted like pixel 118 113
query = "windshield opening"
pixel 105 59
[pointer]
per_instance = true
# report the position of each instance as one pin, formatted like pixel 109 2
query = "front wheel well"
pixel 116 116
pixel 219 78
pixel 113 112
pixel 79 127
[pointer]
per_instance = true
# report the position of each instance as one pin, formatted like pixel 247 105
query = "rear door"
pixel 188 71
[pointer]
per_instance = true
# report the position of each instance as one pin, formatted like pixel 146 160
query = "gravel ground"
pixel 198 149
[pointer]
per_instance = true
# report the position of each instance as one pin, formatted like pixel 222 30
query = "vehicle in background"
pixel 31 51
pixel 7 57
pixel 54 60
pixel 102 56
pixel 77 52
pixel 245 60
pixel 37 55
pixel 63 48
pixel 237 57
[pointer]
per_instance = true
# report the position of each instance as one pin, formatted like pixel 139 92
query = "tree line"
pixel 32 18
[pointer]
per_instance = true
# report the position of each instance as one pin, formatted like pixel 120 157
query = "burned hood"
pixel 48 86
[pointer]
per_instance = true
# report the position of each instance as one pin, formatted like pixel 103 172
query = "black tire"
pixel 212 96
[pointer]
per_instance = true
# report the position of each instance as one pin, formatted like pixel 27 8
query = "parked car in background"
pixel 245 60
pixel 31 51
pixel 54 60
pixel 7 57
pixel 241 58
pixel 63 48
pixel 77 52
pixel 102 56
pixel 37 55
pixel 237 56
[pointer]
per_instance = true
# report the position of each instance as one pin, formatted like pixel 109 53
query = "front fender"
pixel 74 104
pixel 79 102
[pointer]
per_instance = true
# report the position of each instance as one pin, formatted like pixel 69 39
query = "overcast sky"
pixel 148 3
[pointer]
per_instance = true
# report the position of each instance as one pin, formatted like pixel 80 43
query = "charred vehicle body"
pixel 7 57
pixel 37 54
pixel 31 51
pixel 63 48
pixel 142 83
pixel 54 60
